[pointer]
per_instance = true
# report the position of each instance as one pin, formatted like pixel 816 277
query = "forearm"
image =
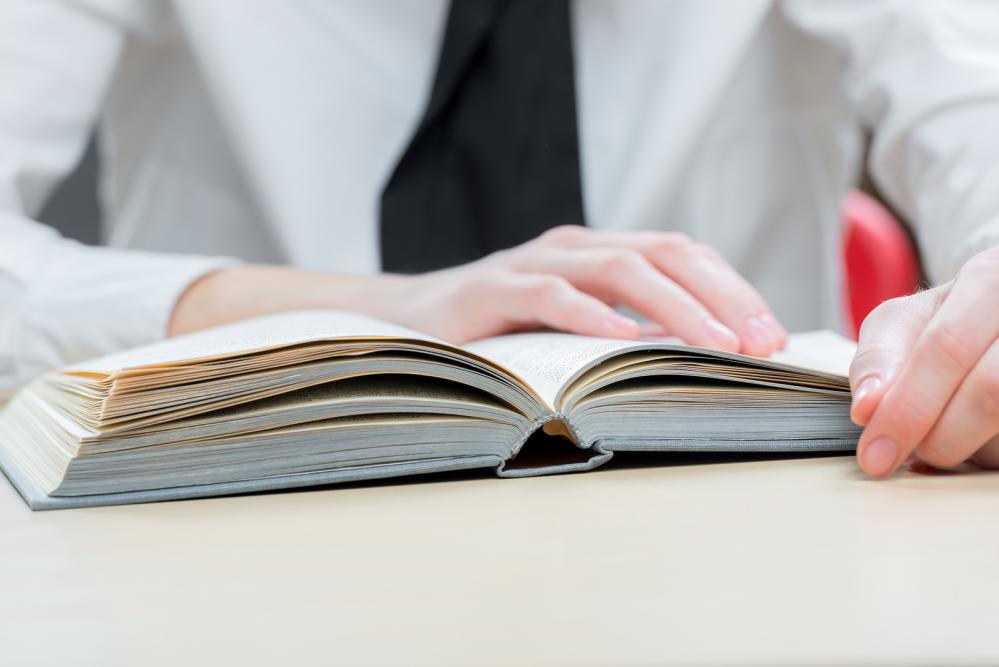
pixel 243 292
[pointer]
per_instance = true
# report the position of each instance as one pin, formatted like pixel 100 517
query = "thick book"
pixel 317 397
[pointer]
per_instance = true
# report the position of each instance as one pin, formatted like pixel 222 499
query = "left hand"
pixel 925 378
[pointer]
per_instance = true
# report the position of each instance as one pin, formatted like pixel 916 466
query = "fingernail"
pixel 867 388
pixel 878 458
pixel 778 333
pixel 861 406
pixel 757 335
pixel 721 334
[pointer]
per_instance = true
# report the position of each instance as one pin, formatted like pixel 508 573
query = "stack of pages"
pixel 316 397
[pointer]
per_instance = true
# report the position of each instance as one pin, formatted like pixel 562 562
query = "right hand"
pixel 570 277
pixel 567 279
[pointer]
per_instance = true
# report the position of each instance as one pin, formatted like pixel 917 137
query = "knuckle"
pixel 983 266
pixel 542 290
pixel 902 313
pixel 984 391
pixel 991 256
pixel 936 452
pixel 564 234
pixel 502 257
pixel 951 343
pixel 481 282
pixel 614 263
pixel 910 415
pixel 868 358
pixel 670 243
pixel 711 253
pixel 885 310
pixel 519 259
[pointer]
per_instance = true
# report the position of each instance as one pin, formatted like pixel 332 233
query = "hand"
pixel 570 277
pixel 567 279
pixel 926 375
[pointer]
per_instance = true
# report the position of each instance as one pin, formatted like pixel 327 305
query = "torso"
pixel 717 119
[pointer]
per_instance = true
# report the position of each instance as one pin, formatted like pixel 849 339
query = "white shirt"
pixel 264 130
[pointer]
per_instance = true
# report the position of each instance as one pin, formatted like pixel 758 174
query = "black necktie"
pixel 495 159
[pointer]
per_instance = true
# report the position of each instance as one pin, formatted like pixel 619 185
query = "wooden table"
pixel 764 562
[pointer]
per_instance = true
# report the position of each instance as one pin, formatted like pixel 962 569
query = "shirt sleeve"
pixel 923 77
pixel 62 301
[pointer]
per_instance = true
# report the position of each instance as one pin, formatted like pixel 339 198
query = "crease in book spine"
pixel 555 428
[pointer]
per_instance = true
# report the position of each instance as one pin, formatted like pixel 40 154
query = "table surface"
pixel 773 562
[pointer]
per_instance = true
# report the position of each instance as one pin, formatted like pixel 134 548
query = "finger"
pixel 887 336
pixel 652 330
pixel 551 301
pixel 626 277
pixel 948 348
pixel 711 280
pixel 971 418
pixel 703 273
pixel 988 456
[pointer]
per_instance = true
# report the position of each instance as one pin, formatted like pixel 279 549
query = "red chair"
pixel 879 259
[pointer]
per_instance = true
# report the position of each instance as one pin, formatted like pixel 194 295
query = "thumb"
pixel 887 336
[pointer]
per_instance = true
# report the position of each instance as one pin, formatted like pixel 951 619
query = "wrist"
pixel 199 305
pixel 380 296
pixel 243 292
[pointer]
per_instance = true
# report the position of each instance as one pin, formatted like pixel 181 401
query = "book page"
pixel 824 351
pixel 255 335
pixel 547 360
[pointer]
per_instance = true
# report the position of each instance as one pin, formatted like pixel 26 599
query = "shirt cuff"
pixel 92 301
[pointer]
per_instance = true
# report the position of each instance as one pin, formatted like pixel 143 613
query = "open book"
pixel 316 397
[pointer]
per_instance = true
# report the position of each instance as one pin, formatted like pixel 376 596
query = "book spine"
pixel 552 446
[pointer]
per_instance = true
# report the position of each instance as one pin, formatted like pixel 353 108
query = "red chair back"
pixel 879 259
